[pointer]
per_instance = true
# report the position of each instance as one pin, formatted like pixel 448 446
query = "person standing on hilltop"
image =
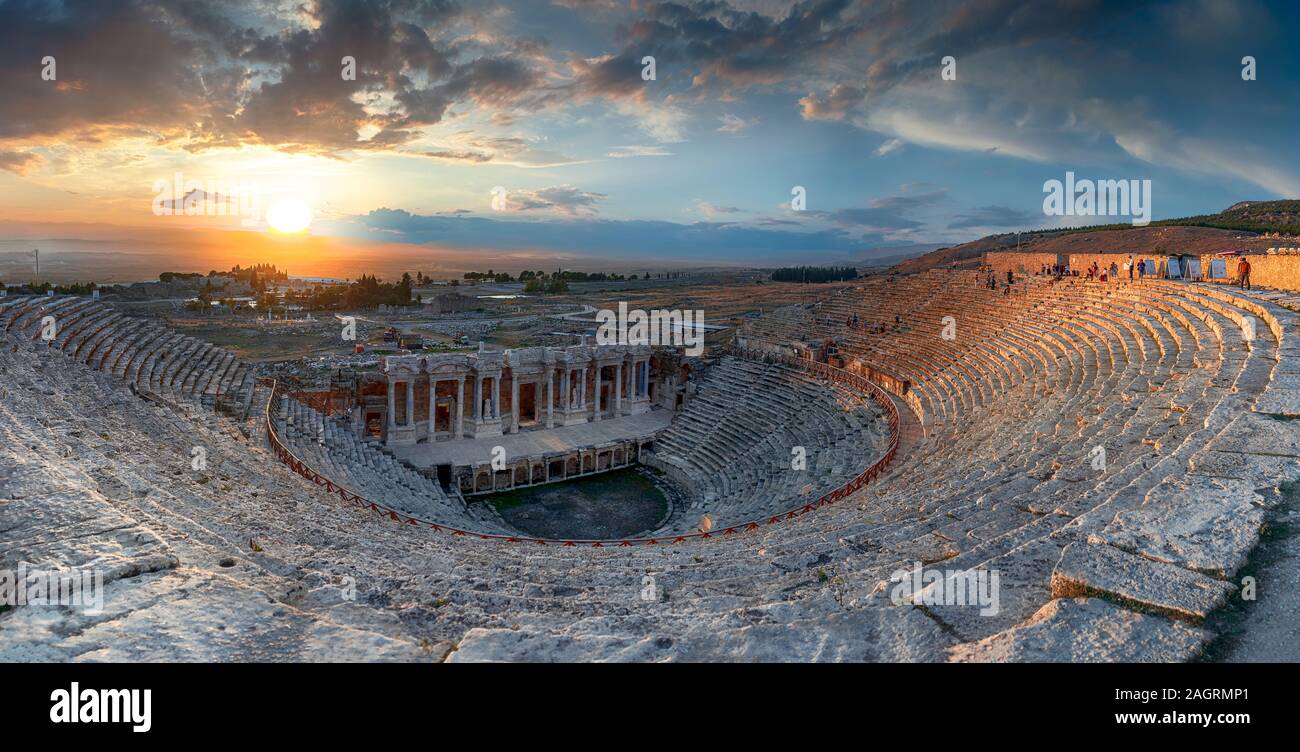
pixel 1243 273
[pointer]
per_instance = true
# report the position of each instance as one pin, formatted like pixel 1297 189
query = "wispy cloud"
pixel 624 152
pixel 733 124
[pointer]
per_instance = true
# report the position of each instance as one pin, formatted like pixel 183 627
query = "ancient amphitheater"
pixel 1111 451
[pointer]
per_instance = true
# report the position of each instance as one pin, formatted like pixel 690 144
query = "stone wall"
pixel 1020 263
pixel 1282 272
pixel 1277 271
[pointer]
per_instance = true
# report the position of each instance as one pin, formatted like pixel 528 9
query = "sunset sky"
pixel 547 100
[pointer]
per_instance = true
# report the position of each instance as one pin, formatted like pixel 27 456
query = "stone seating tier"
pixel 1115 560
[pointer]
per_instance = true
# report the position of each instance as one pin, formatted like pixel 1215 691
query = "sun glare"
pixel 288 216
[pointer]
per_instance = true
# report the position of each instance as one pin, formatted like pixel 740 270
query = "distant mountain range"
pixel 1246 225
pixel 888 255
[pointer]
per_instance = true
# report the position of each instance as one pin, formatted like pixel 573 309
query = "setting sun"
pixel 288 216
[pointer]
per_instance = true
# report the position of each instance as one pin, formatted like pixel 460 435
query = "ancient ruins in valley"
pixel 1108 449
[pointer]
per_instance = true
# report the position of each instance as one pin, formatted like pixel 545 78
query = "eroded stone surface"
pixel 1279 402
pixel 1087 630
pixel 261 564
pixel 875 634
pixel 1260 434
pixel 1205 524
pixel 189 615
pixel 1097 569
pixel 1259 470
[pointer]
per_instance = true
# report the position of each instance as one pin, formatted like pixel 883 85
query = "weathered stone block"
pixel 1278 401
pixel 1091 569
pixel 1087 630
pixel 1260 471
pixel 1259 434
pixel 1200 523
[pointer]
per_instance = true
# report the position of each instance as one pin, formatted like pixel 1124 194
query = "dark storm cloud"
pixel 211 74
pixel 117 63
pixel 309 104
pixel 18 162
pixel 918 41
pixel 458 156
pixel 995 216
pixel 872 218
pixel 717 42
pixel 908 201
pixel 562 198
pixel 884 214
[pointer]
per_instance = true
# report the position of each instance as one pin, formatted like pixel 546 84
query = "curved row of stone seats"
pixel 248 517
pixel 94 479
pixel 1149 374
pixel 759 437
pixel 144 352
pixel 982 356
pixel 282 533
pixel 1013 487
pixel 879 300
pixel 331 449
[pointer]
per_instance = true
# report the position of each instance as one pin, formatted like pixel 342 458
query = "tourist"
pixel 1243 273
pixel 1128 265
pixel 1114 270
pixel 1010 277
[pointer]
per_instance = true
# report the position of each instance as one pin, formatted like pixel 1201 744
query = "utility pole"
pixel 37 252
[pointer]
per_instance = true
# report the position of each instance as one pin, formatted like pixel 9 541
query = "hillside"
pixel 1246 225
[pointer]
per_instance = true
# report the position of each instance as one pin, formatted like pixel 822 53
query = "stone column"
pixel 596 392
pixel 582 387
pixel 460 406
pixel 550 402
pixel 618 388
pixel 514 402
pixel 433 409
pixel 496 397
pixel 478 398
pixel 410 404
pixel 564 388
pixel 392 404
